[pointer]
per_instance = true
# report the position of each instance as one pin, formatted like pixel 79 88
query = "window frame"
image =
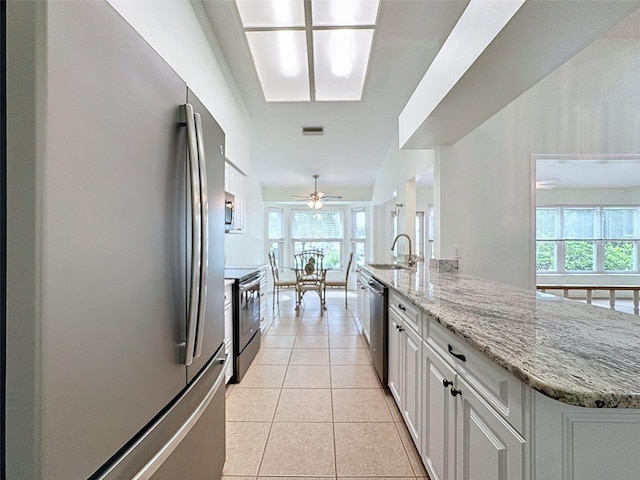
pixel 599 240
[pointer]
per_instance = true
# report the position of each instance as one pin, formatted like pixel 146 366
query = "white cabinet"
pixel 394 357
pixel 228 329
pixel 464 436
pixel 234 183
pixel 486 445
pixel 411 380
pixel 362 312
pixel 464 414
pixel 263 299
pixel 404 369
pixel 438 419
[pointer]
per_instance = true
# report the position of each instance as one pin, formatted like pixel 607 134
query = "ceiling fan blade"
pixel 301 196
pixel 332 197
pixel 547 183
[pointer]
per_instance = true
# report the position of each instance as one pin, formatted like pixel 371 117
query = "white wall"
pixel 395 183
pixel 398 167
pixel 588 106
pixel 179 31
pixel 588 196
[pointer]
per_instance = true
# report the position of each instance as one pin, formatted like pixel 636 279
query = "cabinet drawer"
pixel 497 386
pixel 407 310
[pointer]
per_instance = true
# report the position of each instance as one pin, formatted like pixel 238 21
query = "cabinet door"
pixel 487 447
pixel 394 357
pixel 363 305
pixel 263 299
pixel 438 420
pixel 411 380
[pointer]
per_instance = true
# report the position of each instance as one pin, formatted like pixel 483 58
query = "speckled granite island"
pixel 569 406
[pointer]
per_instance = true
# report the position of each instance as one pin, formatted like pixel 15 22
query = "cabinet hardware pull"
pixel 446 382
pixel 459 356
pixel 455 392
pixel 402 307
pixel 401 329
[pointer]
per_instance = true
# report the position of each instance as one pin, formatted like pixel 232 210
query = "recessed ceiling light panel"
pixel 271 13
pixel 341 58
pixel 280 58
pixel 330 13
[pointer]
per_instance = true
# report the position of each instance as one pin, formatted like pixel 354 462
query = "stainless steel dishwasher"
pixel 378 344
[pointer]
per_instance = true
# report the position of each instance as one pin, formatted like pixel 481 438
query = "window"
pixel 424 233
pixel 318 230
pixel 579 232
pixel 276 232
pixel 419 235
pixel 587 239
pixel 358 234
pixel 431 234
pixel 619 230
pixel 546 234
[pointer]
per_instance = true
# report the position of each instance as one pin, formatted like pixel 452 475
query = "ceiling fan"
pixel 547 183
pixel 316 199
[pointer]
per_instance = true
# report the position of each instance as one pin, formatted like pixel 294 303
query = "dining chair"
pixel 342 283
pixel 277 283
pixel 310 276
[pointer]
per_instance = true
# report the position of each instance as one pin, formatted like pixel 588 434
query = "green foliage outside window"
pixel 618 256
pixel 545 256
pixel 579 256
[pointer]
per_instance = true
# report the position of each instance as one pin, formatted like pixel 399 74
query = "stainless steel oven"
pixel 246 322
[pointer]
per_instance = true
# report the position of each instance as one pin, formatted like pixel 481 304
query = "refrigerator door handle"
pixel 204 262
pixel 196 233
pixel 167 449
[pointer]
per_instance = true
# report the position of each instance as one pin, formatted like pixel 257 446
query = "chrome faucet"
pixel 411 260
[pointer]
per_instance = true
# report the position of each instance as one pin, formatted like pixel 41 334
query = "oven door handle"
pixel 245 287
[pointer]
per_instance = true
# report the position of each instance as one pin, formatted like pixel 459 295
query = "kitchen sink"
pixel 389 266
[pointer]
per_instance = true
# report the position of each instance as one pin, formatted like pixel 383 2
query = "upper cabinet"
pixel 234 183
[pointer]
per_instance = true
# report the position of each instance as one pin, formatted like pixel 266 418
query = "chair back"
pixel 346 277
pixel 274 266
pixel 309 267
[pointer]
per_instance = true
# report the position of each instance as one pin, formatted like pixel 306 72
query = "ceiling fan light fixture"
pixel 316 204
pixel 316 199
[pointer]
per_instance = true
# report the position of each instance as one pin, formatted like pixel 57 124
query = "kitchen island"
pixel 548 388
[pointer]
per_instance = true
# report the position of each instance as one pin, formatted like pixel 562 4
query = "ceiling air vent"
pixel 312 130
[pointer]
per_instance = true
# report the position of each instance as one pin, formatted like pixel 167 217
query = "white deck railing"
pixel 590 288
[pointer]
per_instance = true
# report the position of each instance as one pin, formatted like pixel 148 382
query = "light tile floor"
pixel 311 405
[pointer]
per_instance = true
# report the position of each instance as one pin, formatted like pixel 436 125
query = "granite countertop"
pixel 576 353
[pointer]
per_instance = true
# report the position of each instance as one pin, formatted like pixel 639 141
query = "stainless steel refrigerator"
pixel 115 231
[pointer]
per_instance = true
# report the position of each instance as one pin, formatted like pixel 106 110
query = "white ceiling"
pixel 358 135
pixel 590 173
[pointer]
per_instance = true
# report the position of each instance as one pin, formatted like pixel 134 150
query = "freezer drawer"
pixel 187 441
